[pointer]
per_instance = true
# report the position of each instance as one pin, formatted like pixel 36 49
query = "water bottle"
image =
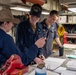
pixel 40 70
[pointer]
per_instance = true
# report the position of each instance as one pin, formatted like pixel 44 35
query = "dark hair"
pixel 1 23
pixel 8 21
pixel 54 12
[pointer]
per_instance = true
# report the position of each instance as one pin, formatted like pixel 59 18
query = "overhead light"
pixel 20 9
pixel 27 10
pixel 45 13
pixel 72 9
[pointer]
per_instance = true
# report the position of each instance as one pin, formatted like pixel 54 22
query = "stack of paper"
pixel 69 46
pixel 68 72
pixel 53 63
pixel 60 70
pixel 71 65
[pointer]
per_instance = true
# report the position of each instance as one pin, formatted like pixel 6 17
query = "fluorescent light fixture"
pixel 45 13
pixel 72 9
pixel 21 9
pixel 26 10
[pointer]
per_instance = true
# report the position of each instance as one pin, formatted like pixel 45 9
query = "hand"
pixel 38 60
pixel 40 42
pixel 61 47
pixel 42 57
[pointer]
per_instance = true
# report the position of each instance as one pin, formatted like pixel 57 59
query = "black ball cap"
pixel 36 10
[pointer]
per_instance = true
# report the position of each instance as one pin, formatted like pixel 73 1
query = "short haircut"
pixel 1 23
pixel 54 12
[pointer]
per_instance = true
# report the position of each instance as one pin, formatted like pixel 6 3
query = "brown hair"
pixel 3 22
pixel 54 12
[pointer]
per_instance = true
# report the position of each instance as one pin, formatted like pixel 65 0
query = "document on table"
pixel 60 70
pixel 52 63
pixel 71 65
pixel 68 72
pixel 48 73
pixel 70 46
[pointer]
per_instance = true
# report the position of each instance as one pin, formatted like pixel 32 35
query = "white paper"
pixel 68 72
pixel 59 60
pixel 60 69
pixel 72 46
pixel 71 65
pixel 53 63
pixel 74 51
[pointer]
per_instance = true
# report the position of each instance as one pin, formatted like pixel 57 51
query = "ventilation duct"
pixel 67 1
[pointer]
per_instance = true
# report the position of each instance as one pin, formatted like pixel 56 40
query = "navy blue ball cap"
pixel 36 10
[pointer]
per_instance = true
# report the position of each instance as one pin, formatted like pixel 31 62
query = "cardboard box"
pixel 70 19
pixel 74 19
pixel 62 19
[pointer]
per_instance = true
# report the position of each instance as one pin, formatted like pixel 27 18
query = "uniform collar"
pixel 38 27
pixel 2 31
pixel 45 26
pixel 30 28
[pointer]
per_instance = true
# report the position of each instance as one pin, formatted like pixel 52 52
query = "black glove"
pixel 61 51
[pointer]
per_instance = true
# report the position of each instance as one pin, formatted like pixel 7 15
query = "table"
pixel 56 55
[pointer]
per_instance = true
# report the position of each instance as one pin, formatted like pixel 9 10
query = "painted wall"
pixel 52 4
